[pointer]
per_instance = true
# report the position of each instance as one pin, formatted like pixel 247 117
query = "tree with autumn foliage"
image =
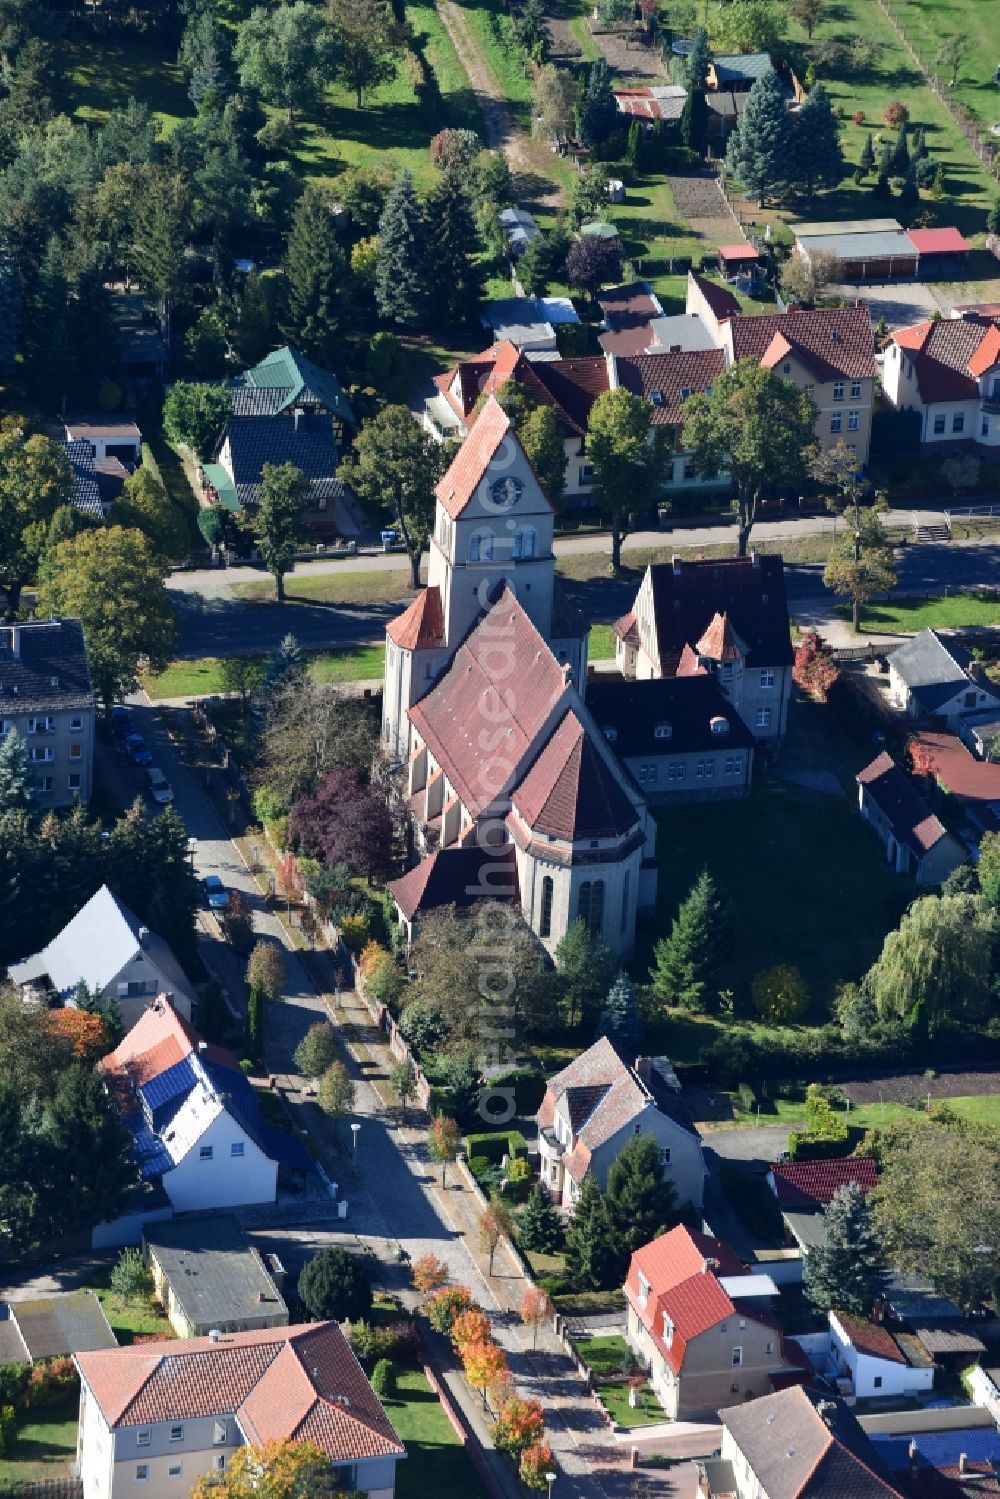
pixel 536 1307
pixel 287 879
pixel 276 1470
pixel 471 1326
pixel 520 1424
pixel 346 822
pixel 494 1222
pixel 446 1305
pixel 920 758
pixel 429 1274
pixel 443 1141
pixel 84 1033
pixel 266 969
pixel 537 1462
pixel 482 1363
pixel 814 669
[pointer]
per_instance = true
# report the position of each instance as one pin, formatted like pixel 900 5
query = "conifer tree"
pixel 598 110
pixel 900 159
pixel 866 161
pixel 762 148
pixel 315 270
pixel 819 160
pixel 620 1019
pixel 592 1256
pixel 17 784
pixel 454 243
pixel 46 329
pixel 684 963
pixel 846 1272
pixel 919 148
pixel 539 1226
pixel 10 310
pixel 640 1203
pixel 253 326
pixel 585 970
pixel 401 272
pixel 694 120
pixel 534 269
pixel 698 60
pixel 255 1024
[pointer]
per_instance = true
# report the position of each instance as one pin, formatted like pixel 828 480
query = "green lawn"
pixel 45 1444
pixel 129 1319
pixel 583 566
pixel 601 646
pixel 202 676
pixel 103 75
pixel 983 1109
pixel 648 1410
pixel 347 587
pixel 928 22
pixel 605 1355
pixel 436 1463
pixel 953 612
pixel 805 880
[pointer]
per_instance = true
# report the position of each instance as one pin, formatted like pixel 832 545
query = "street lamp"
pixel 355 1132
pixel 550 1479
pixel 192 844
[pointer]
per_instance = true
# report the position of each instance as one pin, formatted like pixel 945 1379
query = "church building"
pixel 485 718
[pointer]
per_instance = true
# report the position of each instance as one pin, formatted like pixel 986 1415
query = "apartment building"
pixel 46 697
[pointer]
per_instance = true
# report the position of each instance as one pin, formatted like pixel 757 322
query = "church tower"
pixel 492 526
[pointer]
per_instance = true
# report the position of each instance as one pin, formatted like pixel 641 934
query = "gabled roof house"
pixel 931 676
pixel 948 371
pixel 805 1188
pixel 702 1324
pixel 165 1414
pixel 915 840
pixel 195 1122
pixel 590 1111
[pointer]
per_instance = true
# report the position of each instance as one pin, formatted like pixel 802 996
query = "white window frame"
pixel 767 676
pixel 763 718
pixel 855 390
pixel 838 390
pixel 142 1473
pixel 836 421
pixel 177 1433
pixel 737 1356
pixel 143 1438
pixel 237 1149
pixel 853 421
pixel 206 1152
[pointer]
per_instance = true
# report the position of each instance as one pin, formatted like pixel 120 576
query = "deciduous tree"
pixel 336 1092
pixel 443 1141
pixel 814 669
pixel 195 415
pixel 278 519
pixel 482 1363
pixel 753 26
pixel 536 1465
pixel 394 467
pixel 519 1422
pixel 275 1470
pixel 936 967
pixel 808 13
pixel 591 262
pixel 628 456
pixel 345 822
pixel 336 1286
pixel 754 426
pixel 368 43
pixel 846 1272
pixel 317 1050
pixel 779 994
pixel 403 1080
pixel 17 783
pixel 266 969
pixel 145 504
pixel 284 56
pixel 556 95
pixel 494 1222
pixel 35 480
pixel 111 581
pixel 536 1307
pixel 130 1278
pixel 429 1274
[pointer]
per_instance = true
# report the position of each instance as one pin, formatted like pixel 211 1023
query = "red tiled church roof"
pixel 471 462
pixel 570 792
pixel 421 625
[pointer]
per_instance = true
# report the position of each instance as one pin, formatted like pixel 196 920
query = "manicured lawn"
pixel 45 1444
pixel 648 1410
pixel 203 676
pixel 605 1355
pixel 345 587
pixel 805 880
pixel 954 612
pixel 601 646
pixel 436 1464
pixel 582 566
pixel 984 1109
pixel 129 1319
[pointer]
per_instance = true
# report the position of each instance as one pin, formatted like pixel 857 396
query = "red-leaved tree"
pixel 814 669
pixel 591 262
pixel 921 761
pixel 346 822
pixel 519 1424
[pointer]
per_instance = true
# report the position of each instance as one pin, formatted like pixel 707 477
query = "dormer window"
pixel 610 733
pixel 718 724
pixel 657 397
pixel 668 1330
pixel 685 392
pixel 663 731
pixel 643 1289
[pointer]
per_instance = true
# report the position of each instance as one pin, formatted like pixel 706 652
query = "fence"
pixel 984 148
pixel 49 1488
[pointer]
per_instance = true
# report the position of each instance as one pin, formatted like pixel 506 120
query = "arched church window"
pixel 545 923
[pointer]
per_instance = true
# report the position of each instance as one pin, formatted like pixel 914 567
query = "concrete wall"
pixel 127 1229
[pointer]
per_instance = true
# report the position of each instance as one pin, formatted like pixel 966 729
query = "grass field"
pixel 376 587
pixel 928 22
pixel 45 1444
pixel 983 1109
pixel 944 612
pixel 648 1410
pixel 436 1463
pixel 129 1319
pixel 582 566
pixel 203 676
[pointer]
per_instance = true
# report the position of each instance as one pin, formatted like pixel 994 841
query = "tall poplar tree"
pixel 315 270
pixel 402 269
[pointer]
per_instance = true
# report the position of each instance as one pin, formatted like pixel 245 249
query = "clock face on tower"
pixel 506 491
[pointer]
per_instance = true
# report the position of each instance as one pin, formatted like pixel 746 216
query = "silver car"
pixel 160 788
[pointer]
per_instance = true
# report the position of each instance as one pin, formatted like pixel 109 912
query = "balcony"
pixel 550 1145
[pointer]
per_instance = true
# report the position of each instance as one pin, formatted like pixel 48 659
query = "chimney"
pixel 297 416
pixel 912 1453
pixel 678 565
pixel 15 642
pixel 963 1463
pixel 143 935
pixel 215 1334
pixel 261 1295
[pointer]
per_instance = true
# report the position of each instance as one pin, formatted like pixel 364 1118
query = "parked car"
pixel 160 788
pixel 138 750
pixel 121 723
pixel 216 894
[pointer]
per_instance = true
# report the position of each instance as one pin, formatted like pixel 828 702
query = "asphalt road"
pixel 214 625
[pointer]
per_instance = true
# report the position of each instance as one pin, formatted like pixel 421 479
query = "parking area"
pixel 899 302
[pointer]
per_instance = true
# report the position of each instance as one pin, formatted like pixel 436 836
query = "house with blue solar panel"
pixel 195 1122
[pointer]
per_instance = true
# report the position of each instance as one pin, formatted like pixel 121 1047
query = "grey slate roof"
pixel 737 67
pixel 95 946
pixel 312 447
pixel 69 1322
pixel 933 671
pixel 86 496
pixel 688 704
pixel 798 1451
pixel 43 665
pixel 216 1276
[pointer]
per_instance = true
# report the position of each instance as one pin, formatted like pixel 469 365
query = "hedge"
pixel 494 1146
pixel 528 1085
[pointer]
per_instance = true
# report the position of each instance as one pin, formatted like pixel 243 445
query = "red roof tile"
pixel 279 1383
pixel 484 374
pixel 958 771
pixel 911 819
pixel 988 353
pixel 421 624
pixel 914 337
pixel 661 378
pixel 938 241
pixel 835 342
pixel 570 385
pixel 570 792
pixel 738 252
pixel 688 664
pixel 471 462
pixel 628 310
pixel 868 1337
pixel 719 298
pixel 683 1283
pixel 720 641
pixel 942 354
pixel 455 714
pixel 811 1184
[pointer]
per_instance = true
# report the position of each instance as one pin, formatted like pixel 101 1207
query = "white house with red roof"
pixel 702 1325
pixel 156 1417
pixel 483 714
pixel 949 372
pixel 591 1110
pixel 878 1362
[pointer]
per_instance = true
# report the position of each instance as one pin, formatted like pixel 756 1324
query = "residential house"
pixel 591 1110
pixel 569 386
pixel 46 697
pixel 86 497
pixel 805 1188
pixel 948 371
pixel 916 842
pixel 946 1452
pixel 725 619
pixel 195 1122
pixel 550 784
pixel 795 1445
pixel 629 312
pixel 668 381
pixel 41 1327
pixel 108 948
pixel 107 437
pixel 980 733
pixel 161 1415
pixel 878 1363
pixel 208 1275
pixel 971 782
pixel 285 410
pixel 701 1325
pixel 680 738
pixel 930 677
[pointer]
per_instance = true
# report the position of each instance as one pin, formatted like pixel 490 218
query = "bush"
pixel 825 1134
pixel 495 1146
pixel 355 931
pixel 528 1085
pixel 779 994
pixel 8 1429
pixel 896 114
pixel 50 1381
pixel 13 1382
pixel 752 1200
pixel 383 1378
pixel 399 1341
pixel 487 1173
pixel 335 1285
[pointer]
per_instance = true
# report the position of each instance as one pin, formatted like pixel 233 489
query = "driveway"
pixel 899 302
pixel 753 1146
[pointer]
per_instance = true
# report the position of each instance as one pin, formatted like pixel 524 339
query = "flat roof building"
pixel 208 1275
